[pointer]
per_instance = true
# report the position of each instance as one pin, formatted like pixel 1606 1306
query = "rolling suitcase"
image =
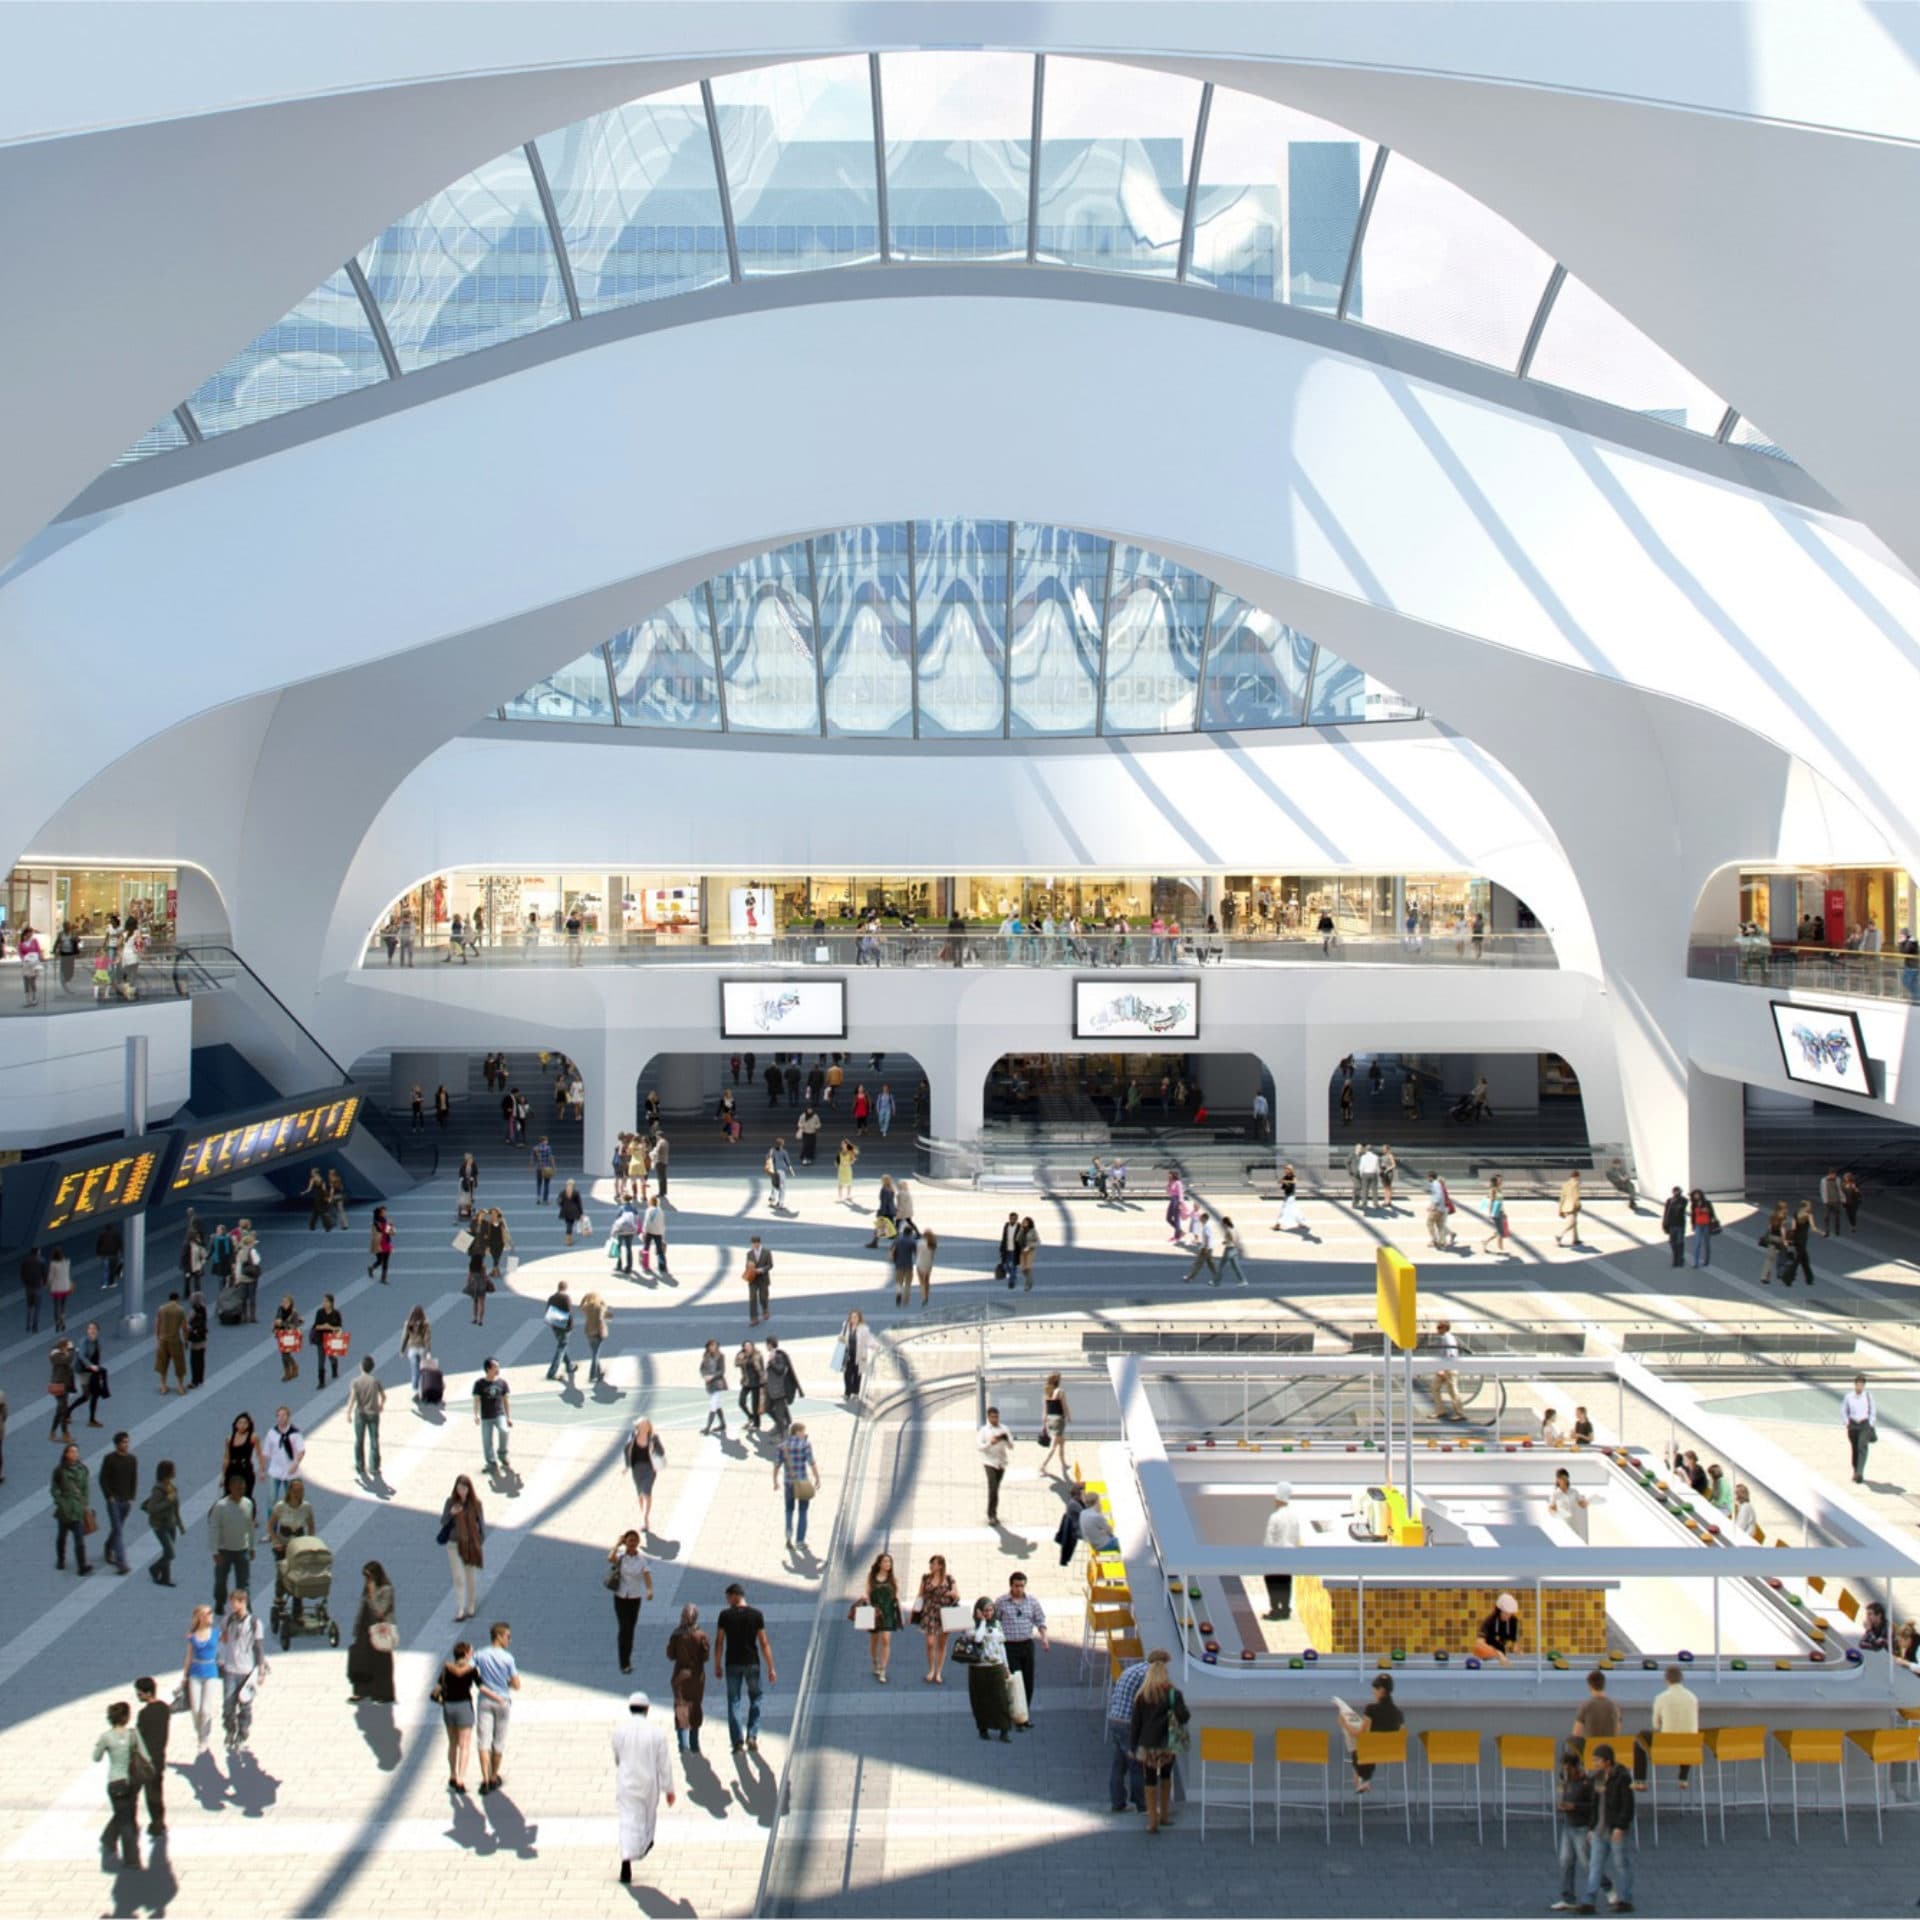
pixel 433 1383
pixel 230 1304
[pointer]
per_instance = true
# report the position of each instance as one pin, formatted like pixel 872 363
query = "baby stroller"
pixel 302 1584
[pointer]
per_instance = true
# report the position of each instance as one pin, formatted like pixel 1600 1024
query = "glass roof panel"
pixel 866 628
pixel 1114 149
pixel 637 202
pixel 1747 434
pixel 1589 347
pixel 323 347
pixel 663 672
pixel 1059 594
pixel 798 145
pixel 162 438
pixel 1342 692
pixel 577 692
pixel 1257 668
pixel 471 268
pixel 1440 267
pixel 959 128
pixel 1279 200
pixel 765 610
pixel 1156 627
pixel 960 571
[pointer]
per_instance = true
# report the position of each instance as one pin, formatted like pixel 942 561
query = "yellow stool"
pixel 1384 1750
pixel 1815 1747
pixel 1676 1750
pixel 1729 1747
pixel 1303 1747
pixel 1122 1654
pixel 1225 1747
pixel 1108 1624
pixel 1527 1753
pixel 1886 1747
pixel 1447 1748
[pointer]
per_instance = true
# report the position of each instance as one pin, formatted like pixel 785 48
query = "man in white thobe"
pixel 642 1772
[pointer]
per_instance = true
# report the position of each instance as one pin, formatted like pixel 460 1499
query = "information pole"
pixel 134 1237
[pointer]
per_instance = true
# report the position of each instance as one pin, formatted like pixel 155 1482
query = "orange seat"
pixel 1225 1747
pixel 1453 1747
pixel 1303 1747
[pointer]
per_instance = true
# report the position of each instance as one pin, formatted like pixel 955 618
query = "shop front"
pixel 87 897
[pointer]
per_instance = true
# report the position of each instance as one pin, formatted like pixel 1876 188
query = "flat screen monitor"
pixel 100 1183
pixel 814 1009
pixel 1167 1008
pixel 265 1138
pixel 1822 1047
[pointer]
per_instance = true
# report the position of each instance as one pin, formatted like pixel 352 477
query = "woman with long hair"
pixel 645 1455
pixel 463 1532
pixel 416 1343
pixel 1057 1414
pixel 938 1592
pixel 455 1693
pixel 843 1172
pixel 370 1652
pixel 244 1455
pixel 1496 1217
pixel 287 1323
pixel 1773 1242
pixel 689 1649
pixel 923 1263
pixel 882 1594
pixel 380 1244
pixel 1157 1708
pixel 751 1371
pixel 631 1580
pixel 200 1675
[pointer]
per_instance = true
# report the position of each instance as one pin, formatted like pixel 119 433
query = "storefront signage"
pixel 783 1009
pixel 1150 1009
pixel 266 1139
pixel 1822 1047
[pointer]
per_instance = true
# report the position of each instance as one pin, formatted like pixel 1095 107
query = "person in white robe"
pixel 642 1772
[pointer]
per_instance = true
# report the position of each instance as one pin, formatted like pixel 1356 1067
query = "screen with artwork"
pixel 265 1139
pixel 1822 1047
pixel 783 1009
pixel 1163 1009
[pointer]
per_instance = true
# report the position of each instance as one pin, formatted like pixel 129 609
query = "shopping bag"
pixel 510 1265
pixel 613 1246
pixel 586 1223
pixel 1017 1698
pixel 839 1356
pixel 864 1618
pixel 463 1241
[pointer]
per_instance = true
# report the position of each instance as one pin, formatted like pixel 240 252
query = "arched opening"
pixel 1071 1098
pixel 1526 1102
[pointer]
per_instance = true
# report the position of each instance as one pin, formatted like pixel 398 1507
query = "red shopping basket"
pixel 287 1339
pixel 333 1342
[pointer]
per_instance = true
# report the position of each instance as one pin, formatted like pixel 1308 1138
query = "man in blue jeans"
pixel 542 1170
pixel 119 1482
pixel 1124 1777
pixel 739 1647
pixel 1612 1857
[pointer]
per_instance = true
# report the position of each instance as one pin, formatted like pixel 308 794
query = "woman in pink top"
pixel 32 959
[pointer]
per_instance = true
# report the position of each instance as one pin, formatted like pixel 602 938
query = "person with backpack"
pixel 560 1323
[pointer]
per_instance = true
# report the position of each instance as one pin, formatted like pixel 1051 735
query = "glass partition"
pixel 866 628
pixel 765 610
pixel 961 573
pixel 959 134
pixel 1257 668
pixel 1589 347
pixel 1059 600
pixel 1156 630
pixel 323 347
pixel 663 673
pixel 577 692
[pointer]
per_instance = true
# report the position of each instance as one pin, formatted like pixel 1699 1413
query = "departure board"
pixel 265 1140
pixel 102 1183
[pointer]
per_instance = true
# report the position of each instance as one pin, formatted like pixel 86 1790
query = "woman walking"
pixel 1774 1241
pixel 689 1649
pixel 938 1592
pixel 162 1508
pixel 628 1577
pixel 572 1210
pixel 883 1110
pixel 862 1109
pixel 646 1454
pixel 881 1595
pixel 597 1317
pixel 370 1653
pixel 60 1364
pixel 797 1474
pixel 1057 1415
pixel 1232 1249
pixel 1176 1206
pixel 468 1181
pixel 498 1240
pixel 986 1665
pixel 287 1322
pixel 1496 1217
pixel 853 1343
pixel 200 1675
pixel 886 1212
pixel 463 1532
pixel 1389 1168
pixel 843 1171
pixel 478 1286
pixel 455 1693
pixel 416 1344
pixel 713 1376
pixel 379 1244
pixel 1289 1221
pixel 120 1746
pixel 244 1455
pixel 1705 1223
pixel 1157 1710
pixel 1025 1247
pixel 923 1263
pixel 59 1285
pixel 1798 1237
pixel 751 1371
pixel 71 1512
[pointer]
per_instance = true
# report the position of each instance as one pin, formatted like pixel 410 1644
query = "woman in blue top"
pixel 883 1110
pixel 794 1459
pixel 1496 1218
pixel 201 1675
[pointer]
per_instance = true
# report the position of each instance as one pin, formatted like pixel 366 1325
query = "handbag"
pixel 586 1223
pixel 383 1637
pixel 141 1771
pixel 863 1618
pixel 463 1241
pixel 611 1579
pixel 1179 1734
pixel 90 1522
pixel 802 1490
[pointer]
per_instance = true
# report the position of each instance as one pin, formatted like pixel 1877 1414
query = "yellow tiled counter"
pixel 1433 1619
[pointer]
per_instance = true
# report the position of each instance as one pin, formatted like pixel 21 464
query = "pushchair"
pixel 302 1585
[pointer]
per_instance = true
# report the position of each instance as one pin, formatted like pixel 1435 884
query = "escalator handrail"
pixel 193 952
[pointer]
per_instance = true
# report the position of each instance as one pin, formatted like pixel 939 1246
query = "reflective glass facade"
pixel 1267 203
pixel 904 628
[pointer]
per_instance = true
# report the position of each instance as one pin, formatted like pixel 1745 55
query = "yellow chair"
pixel 1384 1750
pixel 1730 1746
pixel 1848 1604
pixel 1815 1747
pixel 1527 1753
pixel 1303 1747
pixel 1676 1750
pixel 1448 1748
pixel 1122 1653
pixel 1108 1624
pixel 1886 1747
pixel 1225 1747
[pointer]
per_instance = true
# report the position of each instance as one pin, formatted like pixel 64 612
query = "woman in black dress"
pixel 370 1654
pixel 243 1453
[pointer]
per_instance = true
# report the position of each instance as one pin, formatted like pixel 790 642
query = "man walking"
pixel 1438 1208
pixel 492 1414
pixel 1261 1111
pixel 1124 1777
pixel 230 1531
pixel 1612 1857
pixel 170 1342
pixel 1569 1234
pixel 740 1644
pixel 119 1483
pixel 759 1271
pixel 642 1773
pixel 659 1153
pixel 779 1165
pixel 1202 1249
pixel 996 1455
pixel 153 1722
pixel 1832 1199
pixel 366 1397
pixel 782 1387
pixel 1673 1223
pixel 1369 1177
pixel 560 1321
pixel 1856 1409
pixel 493 1713
pixel 542 1162
pixel 653 1239
pixel 1023 1620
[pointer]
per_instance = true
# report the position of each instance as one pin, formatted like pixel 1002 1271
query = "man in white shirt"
pixel 1675 1710
pixel 1283 1530
pixel 1369 1177
pixel 1564 1504
pixel 996 1454
pixel 1830 1200
pixel 1202 1249
pixel 1260 1112
pixel 1446 1394
pixel 1437 1229
pixel 1857 1410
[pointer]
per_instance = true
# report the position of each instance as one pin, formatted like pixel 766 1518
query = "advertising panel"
pixel 750 913
pixel 1152 1009
pixel 1822 1047
pixel 813 1009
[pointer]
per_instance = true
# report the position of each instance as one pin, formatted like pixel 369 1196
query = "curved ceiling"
pixel 868 160
pixel 959 628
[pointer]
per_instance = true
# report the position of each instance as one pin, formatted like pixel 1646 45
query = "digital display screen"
pixel 1160 1009
pixel 103 1183
pixel 783 1009
pixel 264 1140
pixel 1822 1047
